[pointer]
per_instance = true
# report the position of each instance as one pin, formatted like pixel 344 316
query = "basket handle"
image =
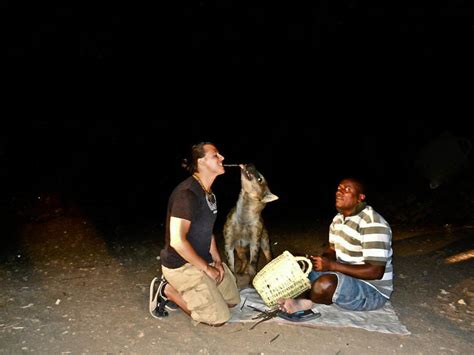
pixel 304 262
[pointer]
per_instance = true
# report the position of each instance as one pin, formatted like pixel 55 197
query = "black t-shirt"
pixel 188 201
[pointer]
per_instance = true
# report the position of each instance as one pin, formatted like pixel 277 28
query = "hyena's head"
pixel 255 185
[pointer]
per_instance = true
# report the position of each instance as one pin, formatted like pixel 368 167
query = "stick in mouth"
pixel 231 165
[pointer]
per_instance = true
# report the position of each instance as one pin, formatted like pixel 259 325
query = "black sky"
pixel 227 32
pixel 309 92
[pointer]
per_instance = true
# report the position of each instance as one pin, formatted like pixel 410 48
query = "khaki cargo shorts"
pixel 207 301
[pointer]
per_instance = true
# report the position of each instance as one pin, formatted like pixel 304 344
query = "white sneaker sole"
pixel 154 297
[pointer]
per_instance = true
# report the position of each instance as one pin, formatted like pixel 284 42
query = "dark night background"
pixel 373 83
pixel 120 174
pixel 232 32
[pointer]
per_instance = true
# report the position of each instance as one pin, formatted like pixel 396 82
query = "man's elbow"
pixel 375 271
pixel 379 272
pixel 176 245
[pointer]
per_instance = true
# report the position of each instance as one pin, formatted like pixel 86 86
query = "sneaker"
pixel 159 305
pixel 156 307
pixel 169 305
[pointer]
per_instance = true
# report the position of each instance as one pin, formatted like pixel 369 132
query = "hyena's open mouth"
pixel 250 172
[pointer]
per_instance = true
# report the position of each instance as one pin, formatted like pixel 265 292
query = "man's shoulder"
pixel 370 215
pixel 337 218
pixel 185 187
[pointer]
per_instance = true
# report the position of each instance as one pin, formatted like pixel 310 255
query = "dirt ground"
pixel 71 287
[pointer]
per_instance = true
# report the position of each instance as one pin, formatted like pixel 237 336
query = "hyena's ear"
pixel 269 197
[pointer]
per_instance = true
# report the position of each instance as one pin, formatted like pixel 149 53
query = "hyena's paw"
pixel 251 271
pixel 242 268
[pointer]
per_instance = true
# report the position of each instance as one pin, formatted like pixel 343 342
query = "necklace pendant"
pixel 211 202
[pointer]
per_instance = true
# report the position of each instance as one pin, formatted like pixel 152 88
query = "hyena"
pixel 244 228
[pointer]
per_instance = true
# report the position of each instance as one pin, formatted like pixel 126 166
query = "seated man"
pixel 355 272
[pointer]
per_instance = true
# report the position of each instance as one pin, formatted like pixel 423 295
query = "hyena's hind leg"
pixel 265 245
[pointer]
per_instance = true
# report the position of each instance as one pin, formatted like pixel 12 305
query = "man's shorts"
pixel 351 293
pixel 207 301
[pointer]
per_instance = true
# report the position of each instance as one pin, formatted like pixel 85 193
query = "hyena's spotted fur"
pixel 244 228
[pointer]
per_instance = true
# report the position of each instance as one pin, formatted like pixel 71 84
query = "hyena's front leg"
pixel 265 245
pixel 242 256
pixel 254 249
pixel 229 252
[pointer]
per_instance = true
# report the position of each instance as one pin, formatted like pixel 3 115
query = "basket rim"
pixel 272 285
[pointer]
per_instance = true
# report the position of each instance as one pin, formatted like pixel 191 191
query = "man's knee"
pixel 323 289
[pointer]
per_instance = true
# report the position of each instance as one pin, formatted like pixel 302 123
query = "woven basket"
pixel 283 277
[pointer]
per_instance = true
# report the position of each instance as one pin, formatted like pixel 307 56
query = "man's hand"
pixel 220 268
pixel 213 273
pixel 321 263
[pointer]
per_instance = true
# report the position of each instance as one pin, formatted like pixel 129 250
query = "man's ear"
pixel 362 197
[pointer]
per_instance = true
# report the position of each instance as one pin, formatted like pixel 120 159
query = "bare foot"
pixel 291 305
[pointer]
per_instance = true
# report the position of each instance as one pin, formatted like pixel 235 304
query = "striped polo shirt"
pixel 364 237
